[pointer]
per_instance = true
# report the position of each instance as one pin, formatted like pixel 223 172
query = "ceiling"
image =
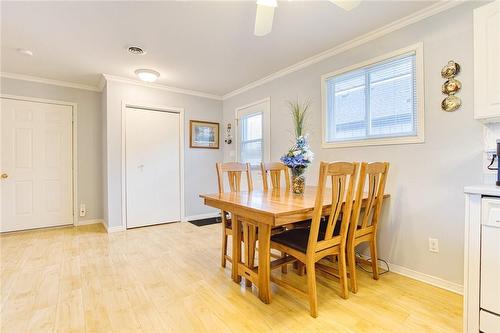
pixel 205 46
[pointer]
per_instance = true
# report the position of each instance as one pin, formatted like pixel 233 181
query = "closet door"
pixel 152 148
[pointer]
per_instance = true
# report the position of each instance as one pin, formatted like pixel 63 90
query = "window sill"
pixel 374 142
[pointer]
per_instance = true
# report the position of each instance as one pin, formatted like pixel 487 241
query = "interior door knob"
pixel 4 176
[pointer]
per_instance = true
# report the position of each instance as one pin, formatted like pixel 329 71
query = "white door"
pixel 152 154
pixel 36 161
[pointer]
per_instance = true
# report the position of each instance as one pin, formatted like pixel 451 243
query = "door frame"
pixel 74 146
pixel 266 128
pixel 157 108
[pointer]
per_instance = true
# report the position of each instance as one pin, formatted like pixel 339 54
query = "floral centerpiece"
pixel 299 156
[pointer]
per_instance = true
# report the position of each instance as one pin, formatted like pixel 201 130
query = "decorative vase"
pixel 298 180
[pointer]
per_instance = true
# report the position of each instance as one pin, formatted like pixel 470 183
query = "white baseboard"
pixel 429 279
pixel 200 216
pixel 92 221
pixel 115 229
pixel 112 229
pixel 422 277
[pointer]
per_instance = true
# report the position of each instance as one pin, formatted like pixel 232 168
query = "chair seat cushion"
pixel 324 223
pixel 295 238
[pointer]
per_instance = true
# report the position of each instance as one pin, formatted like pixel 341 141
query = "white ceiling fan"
pixel 265 13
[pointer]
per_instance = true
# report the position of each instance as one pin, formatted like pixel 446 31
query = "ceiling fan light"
pixel 263 20
pixel 147 75
pixel 346 4
pixel 268 3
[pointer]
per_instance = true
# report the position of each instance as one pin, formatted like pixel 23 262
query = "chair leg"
pixel 300 268
pixel 311 287
pixel 223 247
pixel 344 292
pixel 351 261
pixel 374 256
pixel 284 268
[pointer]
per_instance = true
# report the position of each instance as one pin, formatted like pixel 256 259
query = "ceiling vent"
pixel 136 50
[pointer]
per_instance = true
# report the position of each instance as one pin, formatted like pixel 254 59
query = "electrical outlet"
pixel 83 211
pixel 433 245
pixel 488 156
pixel 490 153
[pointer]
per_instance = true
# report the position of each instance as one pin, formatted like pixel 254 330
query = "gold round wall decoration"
pixel 450 87
pixel 451 103
pixel 450 70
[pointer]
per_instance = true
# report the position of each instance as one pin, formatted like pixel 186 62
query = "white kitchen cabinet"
pixel 487 62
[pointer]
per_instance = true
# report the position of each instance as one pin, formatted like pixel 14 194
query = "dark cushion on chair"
pixel 324 223
pixel 295 238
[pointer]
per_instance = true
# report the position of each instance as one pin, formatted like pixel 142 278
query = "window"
pixel 374 103
pixel 252 123
pixel 251 138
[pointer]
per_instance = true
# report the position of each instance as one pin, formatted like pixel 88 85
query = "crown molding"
pixel 372 35
pixel 37 79
pixel 102 82
pixel 108 77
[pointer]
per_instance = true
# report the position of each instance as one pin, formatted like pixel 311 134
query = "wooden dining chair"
pixel 234 171
pixel 274 169
pixel 363 226
pixel 309 245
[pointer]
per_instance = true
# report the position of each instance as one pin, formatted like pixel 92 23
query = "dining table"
pixel 264 210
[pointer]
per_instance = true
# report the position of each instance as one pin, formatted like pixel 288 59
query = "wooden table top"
pixel 273 203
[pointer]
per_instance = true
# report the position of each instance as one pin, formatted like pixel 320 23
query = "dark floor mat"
pixel 201 223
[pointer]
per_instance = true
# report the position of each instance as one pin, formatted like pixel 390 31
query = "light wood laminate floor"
pixel 167 278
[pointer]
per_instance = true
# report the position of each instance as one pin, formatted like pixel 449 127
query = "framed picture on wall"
pixel 203 134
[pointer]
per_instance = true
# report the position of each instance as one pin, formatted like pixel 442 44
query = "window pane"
pixel 252 127
pixel 348 106
pixel 251 152
pixel 392 99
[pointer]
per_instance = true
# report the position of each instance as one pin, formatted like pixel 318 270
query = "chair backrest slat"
pixel 274 169
pixel 343 175
pixel 233 171
pixel 376 176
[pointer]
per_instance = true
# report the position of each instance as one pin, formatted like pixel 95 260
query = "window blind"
pixel 377 101
pixel 251 138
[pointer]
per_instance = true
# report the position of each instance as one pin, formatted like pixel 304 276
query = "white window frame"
pixel 418 138
pixel 266 128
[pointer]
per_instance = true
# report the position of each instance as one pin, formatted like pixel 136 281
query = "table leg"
pixel 251 246
pixel 246 246
pixel 264 263
pixel 236 254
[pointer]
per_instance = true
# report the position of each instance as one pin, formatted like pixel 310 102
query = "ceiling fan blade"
pixel 346 4
pixel 264 17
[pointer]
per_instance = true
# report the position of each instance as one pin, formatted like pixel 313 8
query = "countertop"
pixel 484 189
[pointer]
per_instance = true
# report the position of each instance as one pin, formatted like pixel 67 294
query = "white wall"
pixel 425 180
pixel 89 135
pixel 199 164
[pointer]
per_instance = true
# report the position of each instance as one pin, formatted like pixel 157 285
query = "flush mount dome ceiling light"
pixel 147 75
pixel 25 52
